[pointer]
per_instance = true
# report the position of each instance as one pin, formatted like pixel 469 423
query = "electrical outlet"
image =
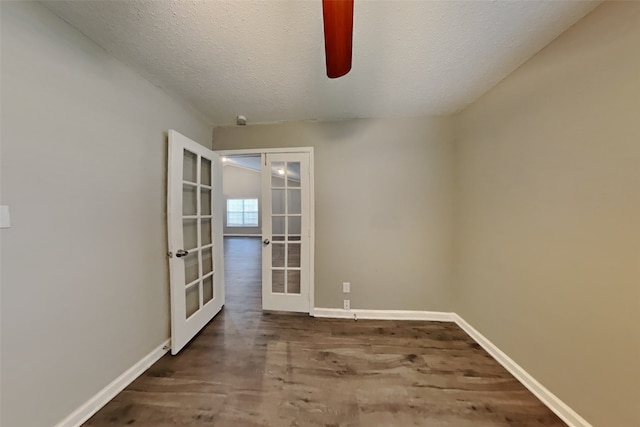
pixel 346 287
pixel 347 304
pixel 5 221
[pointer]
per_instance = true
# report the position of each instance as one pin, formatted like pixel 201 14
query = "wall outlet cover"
pixel 5 220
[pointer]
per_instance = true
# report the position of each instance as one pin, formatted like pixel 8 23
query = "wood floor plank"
pixel 254 368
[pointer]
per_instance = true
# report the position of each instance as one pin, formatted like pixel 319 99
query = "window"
pixel 242 212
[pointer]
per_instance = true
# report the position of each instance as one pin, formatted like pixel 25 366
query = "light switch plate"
pixel 346 287
pixel 5 220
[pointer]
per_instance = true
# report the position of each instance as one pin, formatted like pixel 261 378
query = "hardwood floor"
pixel 249 368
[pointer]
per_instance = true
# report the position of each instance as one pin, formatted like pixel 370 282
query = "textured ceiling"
pixel 265 59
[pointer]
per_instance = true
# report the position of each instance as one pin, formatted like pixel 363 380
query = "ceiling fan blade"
pixel 338 35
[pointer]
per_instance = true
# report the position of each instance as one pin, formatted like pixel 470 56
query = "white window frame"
pixel 243 212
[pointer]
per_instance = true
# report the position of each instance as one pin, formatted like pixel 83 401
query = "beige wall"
pixel 382 204
pixel 84 271
pixel 242 183
pixel 547 231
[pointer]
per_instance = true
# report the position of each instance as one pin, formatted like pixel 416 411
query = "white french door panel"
pixel 286 232
pixel 194 221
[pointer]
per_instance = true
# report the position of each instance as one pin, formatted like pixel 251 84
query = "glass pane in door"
pixel 277 226
pixel 189 166
pixel 293 281
pixel 190 233
pixel 205 229
pixel 293 174
pixel 192 299
pixel 277 255
pixel 277 174
pixel 205 201
pixel 189 200
pixel 277 281
pixel 207 290
pixel 294 202
pixel 207 261
pixel 278 202
pixel 191 267
pixel 205 171
pixel 293 255
pixel 295 227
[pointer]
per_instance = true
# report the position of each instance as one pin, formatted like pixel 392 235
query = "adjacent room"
pixel 319 213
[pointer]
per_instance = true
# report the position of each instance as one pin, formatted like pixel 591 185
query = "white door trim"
pixel 258 151
pixel 312 199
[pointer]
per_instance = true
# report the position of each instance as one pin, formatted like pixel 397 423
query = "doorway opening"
pixel 242 230
pixel 268 225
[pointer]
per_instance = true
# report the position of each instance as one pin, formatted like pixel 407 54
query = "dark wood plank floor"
pixel 249 368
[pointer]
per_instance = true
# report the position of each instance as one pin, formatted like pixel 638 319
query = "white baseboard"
pixel 566 414
pixel 242 235
pixel 93 405
pixel 338 313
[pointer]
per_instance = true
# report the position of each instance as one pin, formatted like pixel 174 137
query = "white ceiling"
pixel 265 59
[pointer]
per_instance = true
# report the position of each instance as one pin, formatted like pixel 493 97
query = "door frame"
pixel 312 200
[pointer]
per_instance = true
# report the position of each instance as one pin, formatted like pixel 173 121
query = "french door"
pixel 194 220
pixel 286 232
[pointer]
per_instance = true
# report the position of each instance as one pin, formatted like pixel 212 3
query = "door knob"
pixel 181 252
pixel 266 242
